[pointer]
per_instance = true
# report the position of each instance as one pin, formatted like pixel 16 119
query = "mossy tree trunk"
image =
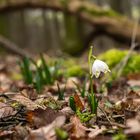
pixel 122 6
pixel 72 42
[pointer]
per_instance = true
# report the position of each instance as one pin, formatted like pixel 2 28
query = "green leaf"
pixel 38 83
pixel 26 72
pixel 84 116
pixel 93 103
pixel 61 134
pixel 48 77
pixel 60 92
pixel 72 103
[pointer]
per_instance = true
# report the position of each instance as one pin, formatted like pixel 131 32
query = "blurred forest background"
pixel 55 26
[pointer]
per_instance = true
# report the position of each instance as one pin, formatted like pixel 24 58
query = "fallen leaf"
pixel 78 130
pixel 5 134
pixel 5 82
pixel 95 132
pixel 5 110
pixel 20 132
pixel 40 117
pixel 133 126
pixel 26 102
pixel 78 102
pixel 67 111
pixel 47 132
pixel 70 82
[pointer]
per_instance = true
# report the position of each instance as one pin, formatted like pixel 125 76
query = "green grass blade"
pixel 93 103
pixel 25 69
pixel 60 93
pixel 72 103
pixel 38 84
pixel 48 77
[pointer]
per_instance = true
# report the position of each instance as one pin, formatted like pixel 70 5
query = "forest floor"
pixel 26 114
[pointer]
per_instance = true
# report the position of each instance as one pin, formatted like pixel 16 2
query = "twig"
pixel 105 115
pixel 124 61
pixel 13 47
pixel 112 124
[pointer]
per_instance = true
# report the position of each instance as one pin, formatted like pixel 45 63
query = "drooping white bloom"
pixel 98 67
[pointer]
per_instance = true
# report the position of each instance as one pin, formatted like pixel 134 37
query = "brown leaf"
pixel 26 102
pixel 40 117
pixel 134 76
pixel 47 132
pixel 5 82
pixel 134 82
pixel 71 81
pixel 5 134
pixel 28 91
pixel 5 110
pixel 78 102
pixel 20 132
pixel 95 132
pixel 78 130
pixel 133 128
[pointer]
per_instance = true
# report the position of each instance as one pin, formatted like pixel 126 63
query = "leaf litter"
pixel 25 114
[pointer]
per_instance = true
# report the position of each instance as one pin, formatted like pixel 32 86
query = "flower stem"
pixel 91 85
pixel 89 60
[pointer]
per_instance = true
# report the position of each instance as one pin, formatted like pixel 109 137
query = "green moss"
pixel 72 43
pixel 3 25
pixel 74 71
pixel 64 2
pixel 133 65
pixel 97 11
pixel 114 56
pixel 67 67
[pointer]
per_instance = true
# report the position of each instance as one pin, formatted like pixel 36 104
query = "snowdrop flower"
pixel 98 67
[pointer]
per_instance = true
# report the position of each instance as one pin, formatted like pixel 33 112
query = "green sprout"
pixel 61 92
pixel 93 103
pixel 84 116
pixel 47 74
pixel 120 136
pixel 25 70
pixel 41 76
pixel 38 82
pixel 83 89
pixel 72 103
pixel 61 134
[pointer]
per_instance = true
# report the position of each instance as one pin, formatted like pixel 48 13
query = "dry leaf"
pixel 5 82
pixel 95 132
pixel 67 111
pixel 40 117
pixel 47 132
pixel 78 130
pixel 20 132
pixel 133 128
pixel 26 102
pixel 78 102
pixel 5 134
pixel 5 110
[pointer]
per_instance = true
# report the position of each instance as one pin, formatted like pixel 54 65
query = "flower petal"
pixel 98 67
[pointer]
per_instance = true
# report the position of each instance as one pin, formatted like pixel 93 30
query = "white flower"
pixel 98 67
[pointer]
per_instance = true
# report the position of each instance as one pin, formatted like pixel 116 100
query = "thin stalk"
pixel 91 85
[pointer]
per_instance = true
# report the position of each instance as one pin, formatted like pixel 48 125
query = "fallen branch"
pixel 10 46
